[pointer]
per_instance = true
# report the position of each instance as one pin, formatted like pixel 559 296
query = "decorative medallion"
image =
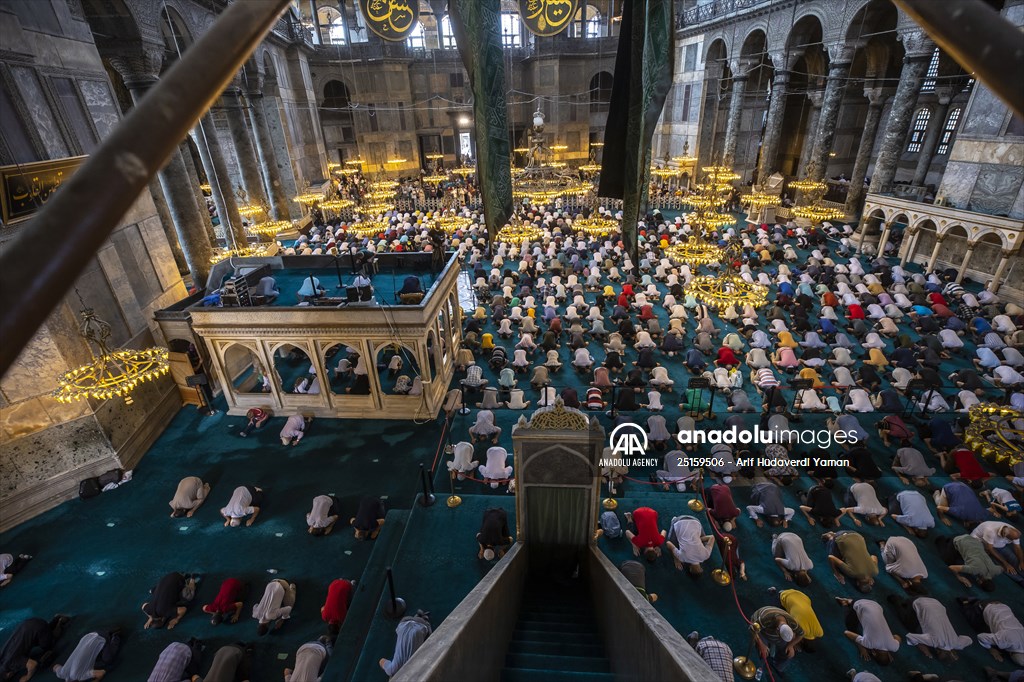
pixel 547 17
pixel 389 19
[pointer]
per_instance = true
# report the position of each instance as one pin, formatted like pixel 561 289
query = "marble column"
pixel 939 238
pixel 773 126
pixel 168 224
pixel 855 193
pixel 815 99
pixel 709 116
pixel 886 231
pixel 139 71
pixel 732 124
pixel 997 278
pixel 193 176
pixel 248 167
pixel 828 117
pixel 268 158
pixel 936 124
pixel 915 64
pixel 278 135
pixel 909 246
pixel 965 262
pixel 212 157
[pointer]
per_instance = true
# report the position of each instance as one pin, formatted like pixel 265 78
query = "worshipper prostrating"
pixel 412 631
pixel 310 661
pixel 91 658
pixel 335 608
pixel 369 518
pixel 494 537
pixel 189 496
pixel 275 607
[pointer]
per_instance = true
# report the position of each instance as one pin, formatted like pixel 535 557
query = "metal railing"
pixel 96 198
pixel 714 10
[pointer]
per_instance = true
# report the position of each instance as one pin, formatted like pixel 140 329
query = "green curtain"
pixel 557 517
pixel 643 77
pixel 476 25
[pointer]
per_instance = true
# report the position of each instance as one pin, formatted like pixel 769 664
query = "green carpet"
pixel 97 559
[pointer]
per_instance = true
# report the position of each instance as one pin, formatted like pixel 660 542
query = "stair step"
pixel 568 663
pixel 546 646
pixel 557 626
pixel 532 675
pixel 556 617
pixel 554 635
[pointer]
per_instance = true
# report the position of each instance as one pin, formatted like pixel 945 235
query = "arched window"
pixel 948 131
pixel 332 26
pixel 918 130
pixel 447 37
pixel 417 38
pixel 600 91
pixel 358 33
pixel 930 76
pixel 588 25
pixel 511 30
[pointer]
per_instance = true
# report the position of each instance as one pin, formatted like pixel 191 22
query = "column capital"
pixel 741 67
pixel 945 94
pixel 139 65
pixel 843 52
pixel 1007 253
pixel 817 97
pixel 939 238
pixel 876 96
pixel 971 245
pixel 916 44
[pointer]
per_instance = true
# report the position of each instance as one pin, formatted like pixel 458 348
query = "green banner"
pixel 643 77
pixel 476 25
pixel 389 19
pixel 547 17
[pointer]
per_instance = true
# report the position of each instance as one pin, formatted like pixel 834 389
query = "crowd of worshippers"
pixel 33 645
pixel 866 337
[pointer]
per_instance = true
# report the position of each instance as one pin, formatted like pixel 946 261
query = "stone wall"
pixel 62 101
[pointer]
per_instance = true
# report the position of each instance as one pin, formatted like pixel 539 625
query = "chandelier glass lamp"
pixel 368 228
pixel 337 204
pixel 519 232
pixel 996 432
pixel 596 226
pixel 269 227
pixel 452 223
pixel 544 180
pixel 436 175
pixel 721 291
pixel 695 252
pixel 251 251
pixel 685 159
pixel 464 171
pixel 308 197
pixel 812 207
pixel 111 373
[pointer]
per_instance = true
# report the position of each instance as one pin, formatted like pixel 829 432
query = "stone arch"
pixel 999 236
pixel 600 90
pixel 955 230
pixel 112 22
pixel 716 51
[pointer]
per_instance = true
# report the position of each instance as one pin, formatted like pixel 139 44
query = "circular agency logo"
pixel 628 440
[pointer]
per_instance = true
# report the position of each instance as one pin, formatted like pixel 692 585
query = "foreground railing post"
pixel 88 207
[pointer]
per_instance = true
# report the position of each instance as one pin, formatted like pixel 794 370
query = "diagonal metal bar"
pixel 86 209
pixel 982 41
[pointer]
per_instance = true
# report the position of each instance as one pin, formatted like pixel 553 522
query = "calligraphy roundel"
pixel 547 17
pixel 390 19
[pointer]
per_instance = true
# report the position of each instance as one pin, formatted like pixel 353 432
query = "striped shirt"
pixel 766 378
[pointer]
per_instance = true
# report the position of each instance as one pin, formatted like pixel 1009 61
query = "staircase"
pixel 556 638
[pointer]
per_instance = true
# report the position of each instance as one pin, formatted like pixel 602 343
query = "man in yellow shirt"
pixel 798 605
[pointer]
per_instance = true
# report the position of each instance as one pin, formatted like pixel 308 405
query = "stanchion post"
pixel 427 498
pixel 394 608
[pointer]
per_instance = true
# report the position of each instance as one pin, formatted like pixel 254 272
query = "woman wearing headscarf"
pixel 484 427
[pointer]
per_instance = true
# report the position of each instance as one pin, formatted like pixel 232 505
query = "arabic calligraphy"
pixel 26 188
pixel 390 19
pixel 547 17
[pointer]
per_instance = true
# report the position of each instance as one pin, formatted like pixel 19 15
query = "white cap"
pixel 786 633
pixel 489 555
pixel 236 522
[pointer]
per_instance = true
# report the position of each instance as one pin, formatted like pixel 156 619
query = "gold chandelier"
pixel 464 171
pixel 112 373
pixel 452 223
pixel 996 433
pixel 308 197
pixel 383 185
pixel 595 226
pixel 544 180
pixel 345 170
pixel 723 290
pixel 685 159
pixel 817 213
pixel 721 174
pixel 434 178
pixel 331 165
pixel 519 232
pixel 758 200
pixel 206 188
pixel 812 208
pixel 270 227
pixel 376 208
pixel 434 157
pixel 695 252
pixel 253 251
pixel 338 204
pixel 368 228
